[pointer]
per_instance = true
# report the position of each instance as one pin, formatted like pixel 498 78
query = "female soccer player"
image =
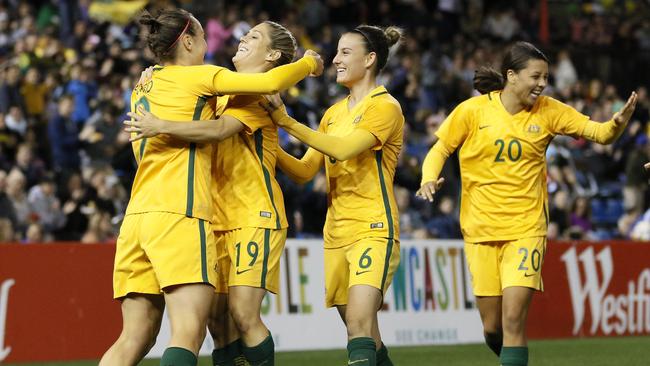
pixel 164 245
pixel 358 140
pixel 503 135
pixel 249 220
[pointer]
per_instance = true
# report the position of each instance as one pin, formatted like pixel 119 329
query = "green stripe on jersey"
pixel 259 148
pixel 200 103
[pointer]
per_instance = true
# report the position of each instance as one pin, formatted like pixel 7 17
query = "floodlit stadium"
pixel 324 182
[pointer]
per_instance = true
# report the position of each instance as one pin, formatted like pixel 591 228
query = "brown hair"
pixel 379 41
pixel 165 29
pixel 283 41
pixel 487 79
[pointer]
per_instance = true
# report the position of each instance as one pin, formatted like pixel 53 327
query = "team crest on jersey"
pixel 356 120
pixel 534 129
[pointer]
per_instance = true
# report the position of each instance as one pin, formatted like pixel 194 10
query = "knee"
pixel 513 322
pixel 139 340
pixel 358 326
pixel 244 317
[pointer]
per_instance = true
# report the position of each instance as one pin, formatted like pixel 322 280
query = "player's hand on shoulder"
pixel 319 62
pixel 145 76
pixel 142 124
pixel 625 113
pixel 428 190
pixel 274 105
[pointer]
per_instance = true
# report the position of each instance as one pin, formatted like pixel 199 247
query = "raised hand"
pixel 143 124
pixel 625 113
pixel 429 189
pixel 319 62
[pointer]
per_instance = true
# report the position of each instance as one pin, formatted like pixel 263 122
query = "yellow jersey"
pixel 361 202
pixel 174 175
pixel 245 192
pixel 503 164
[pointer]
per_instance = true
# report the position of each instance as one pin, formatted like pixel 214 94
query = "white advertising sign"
pixel 429 302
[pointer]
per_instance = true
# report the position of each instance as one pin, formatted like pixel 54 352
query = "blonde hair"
pixel 283 41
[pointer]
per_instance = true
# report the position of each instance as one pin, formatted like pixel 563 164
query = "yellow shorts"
pixel 497 265
pixel 250 256
pixel 156 250
pixel 369 261
pixel 222 267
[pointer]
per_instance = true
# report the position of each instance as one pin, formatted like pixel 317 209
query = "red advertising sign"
pixel 56 299
pixel 56 302
pixel 593 289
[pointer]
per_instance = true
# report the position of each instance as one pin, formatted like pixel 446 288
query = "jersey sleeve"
pixel 270 82
pixel 380 120
pixel 202 78
pixel 563 119
pixel 456 127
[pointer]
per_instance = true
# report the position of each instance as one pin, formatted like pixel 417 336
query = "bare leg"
pixel 141 317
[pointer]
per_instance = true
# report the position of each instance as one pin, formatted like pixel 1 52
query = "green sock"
pixel 362 352
pixel 262 354
pixel 514 356
pixel 494 341
pixel 382 356
pixel 230 355
pixel 176 356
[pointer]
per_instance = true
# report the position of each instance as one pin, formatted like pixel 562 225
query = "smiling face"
pixel 352 61
pixel 528 83
pixel 254 49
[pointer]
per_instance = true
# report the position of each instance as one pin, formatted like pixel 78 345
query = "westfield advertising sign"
pixel 593 289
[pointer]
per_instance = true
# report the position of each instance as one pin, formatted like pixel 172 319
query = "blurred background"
pixel 67 69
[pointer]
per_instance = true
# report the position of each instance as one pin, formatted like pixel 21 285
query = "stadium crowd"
pixel 67 71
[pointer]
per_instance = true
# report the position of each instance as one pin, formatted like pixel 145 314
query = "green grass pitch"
pixel 615 351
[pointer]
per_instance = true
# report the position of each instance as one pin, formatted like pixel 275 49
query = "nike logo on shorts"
pixel 357 361
pixel 362 272
pixel 244 271
pixel 529 275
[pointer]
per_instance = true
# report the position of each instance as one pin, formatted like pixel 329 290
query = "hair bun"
pixel 393 35
pixel 150 21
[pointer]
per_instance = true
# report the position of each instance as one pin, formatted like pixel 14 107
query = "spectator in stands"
pixel 10 90
pixel 16 121
pixel 32 168
pixel 83 90
pixel 64 137
pixel 580 219
pixel 16 192
pixel 7 211
pixel 9 139
pixel 6 231
pixel 46 207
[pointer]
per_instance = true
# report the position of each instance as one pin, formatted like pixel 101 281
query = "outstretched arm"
pixel 300 170
pixel 146 124
pixel 270 82
pixel 608 132
pixel 340 148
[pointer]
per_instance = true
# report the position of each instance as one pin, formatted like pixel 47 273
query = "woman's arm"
pixel 303 170
pixel 270 82
pixel 340 148
pixel 431 168
pixel 608 132
pixel 145 124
